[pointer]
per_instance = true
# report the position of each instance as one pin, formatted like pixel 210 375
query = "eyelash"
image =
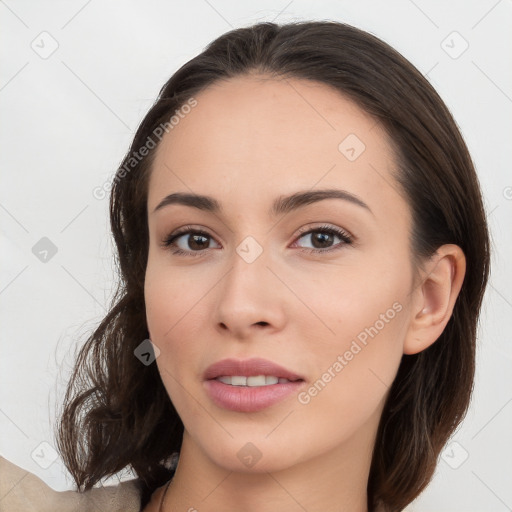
pixel 343 235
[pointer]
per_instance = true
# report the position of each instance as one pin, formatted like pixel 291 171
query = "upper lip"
pixel 248 368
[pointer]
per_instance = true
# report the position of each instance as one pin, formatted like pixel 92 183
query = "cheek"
pixel 362 300
pixel 170 295
pixel 177 358
pixel 173 301
pixel 356 356
pixel 354 375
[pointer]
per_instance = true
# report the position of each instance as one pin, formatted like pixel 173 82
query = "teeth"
pixel 256 381
pixel 238 381
pixel 253 381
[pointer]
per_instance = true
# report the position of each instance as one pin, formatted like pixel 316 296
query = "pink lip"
pixel 249 399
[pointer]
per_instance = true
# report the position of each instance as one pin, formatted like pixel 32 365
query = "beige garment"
pixel 21 491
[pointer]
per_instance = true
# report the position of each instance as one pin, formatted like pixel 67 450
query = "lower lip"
pixel 249 399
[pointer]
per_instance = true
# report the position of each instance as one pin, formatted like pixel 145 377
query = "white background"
pixel 68 119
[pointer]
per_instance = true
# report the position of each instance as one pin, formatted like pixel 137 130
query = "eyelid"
pixel 185 230
pixel 327 227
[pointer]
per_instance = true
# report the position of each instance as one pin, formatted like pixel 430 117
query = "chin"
pixel 256 456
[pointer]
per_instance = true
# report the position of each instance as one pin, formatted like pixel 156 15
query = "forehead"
pixel 256 136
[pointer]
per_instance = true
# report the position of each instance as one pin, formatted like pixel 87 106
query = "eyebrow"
pixel 281 205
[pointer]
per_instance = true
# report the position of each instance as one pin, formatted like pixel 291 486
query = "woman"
pixel 303 253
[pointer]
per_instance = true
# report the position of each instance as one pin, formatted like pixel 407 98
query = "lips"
pixel 249 368
pixel 250 385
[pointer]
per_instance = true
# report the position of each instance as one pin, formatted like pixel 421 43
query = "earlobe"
pixel 434 299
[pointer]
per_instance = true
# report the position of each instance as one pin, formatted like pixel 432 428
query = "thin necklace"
pixel 163 496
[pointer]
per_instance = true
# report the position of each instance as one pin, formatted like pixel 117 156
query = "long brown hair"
pixel 117 413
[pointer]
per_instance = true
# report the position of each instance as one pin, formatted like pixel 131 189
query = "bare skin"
pixel 249 141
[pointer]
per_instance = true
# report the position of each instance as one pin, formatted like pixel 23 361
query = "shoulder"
pixel 22 490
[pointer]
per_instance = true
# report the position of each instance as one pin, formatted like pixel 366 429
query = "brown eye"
pixel 323 238
pixel 188 241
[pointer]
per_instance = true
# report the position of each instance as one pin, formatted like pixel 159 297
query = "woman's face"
pixel 321 286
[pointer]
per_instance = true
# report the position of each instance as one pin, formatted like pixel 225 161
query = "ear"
pixel 434 297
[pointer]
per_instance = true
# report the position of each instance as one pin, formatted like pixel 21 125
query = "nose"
pixel 250 299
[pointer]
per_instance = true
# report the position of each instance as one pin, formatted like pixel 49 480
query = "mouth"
pixel 250 372
pixel 249 385
pixel 254 381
